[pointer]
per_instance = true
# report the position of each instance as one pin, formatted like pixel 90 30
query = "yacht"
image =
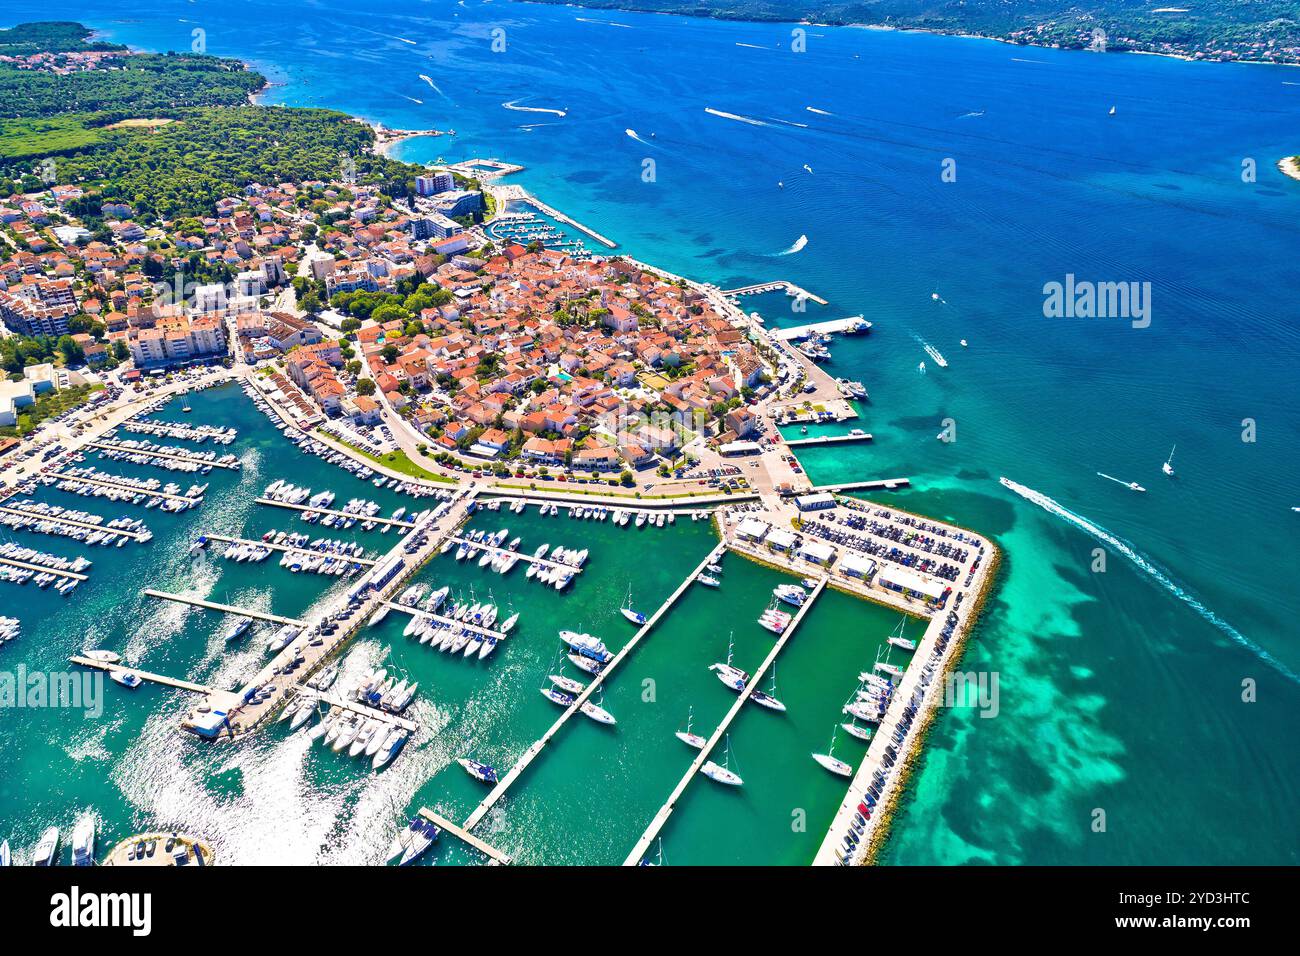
pixel 568 684
pixel 47 849
pixel 83 842
pixel 791 594
pixel 722 773
pixel 597 713
pixel 587 644
pixel 388 750
pixel 129 681
pixel 239 629
pixel 419 835
pixel 708 581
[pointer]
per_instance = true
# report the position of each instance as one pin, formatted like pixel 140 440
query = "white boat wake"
pixel 752 46
pixel 813 109
pixel 636 136
pixel 733 116
pixel 1143 563
pixel 412 99
pixel 604 23
pixel 432 84
pixel 512 105
pixel 797 247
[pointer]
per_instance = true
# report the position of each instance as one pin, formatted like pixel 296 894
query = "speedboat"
pixel 47 849
pixel 83 842
pixel 479 771
pixel 129 681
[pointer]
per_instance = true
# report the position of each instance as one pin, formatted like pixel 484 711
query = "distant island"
pixel 1219 30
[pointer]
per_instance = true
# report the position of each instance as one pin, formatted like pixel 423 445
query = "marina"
pixel 778 285
pixel 311 509
pixel 26 514
pixel 128 489
pixel 174 454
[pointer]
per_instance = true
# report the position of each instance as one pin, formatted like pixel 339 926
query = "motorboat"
pixel 394 742
pixel 83 842
pixel 47 849
pixel 126 679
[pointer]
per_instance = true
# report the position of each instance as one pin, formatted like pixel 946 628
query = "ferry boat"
pixel 479 771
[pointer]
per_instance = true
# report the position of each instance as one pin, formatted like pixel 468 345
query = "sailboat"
pixel 597 713
pixel 722 774
pixel 479 771
pixel 1168 466
pixel 898 640
pixel 688 738
pixel 659 858
pixel 732 676
pixel 831 762
pixel 768 700
pixel 1112 111
pixel 636 617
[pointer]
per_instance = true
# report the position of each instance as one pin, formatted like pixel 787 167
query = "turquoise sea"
pixel 1121 690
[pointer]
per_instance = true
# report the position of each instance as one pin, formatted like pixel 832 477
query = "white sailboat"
pixel 1168 466
pixel 722 774
pixel 688 738
pixel 831 762
pixel 636 617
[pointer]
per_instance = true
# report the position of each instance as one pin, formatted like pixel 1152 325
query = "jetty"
pixel 875 484
pixel 657 823
pixel 358 518
pixel 224 608
pixel 516 193
pixel 597 681
pixel 190 458
pixel 334 700
pixel 162 679
pixel 827 440
pixel 69 522
pixel 103 482
pixel 438 820
pixel 43 569
pixel 304 550
pixel 778 285
pixel 854 324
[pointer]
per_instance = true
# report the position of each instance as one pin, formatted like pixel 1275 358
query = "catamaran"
pixel 688 738
pixel 722 774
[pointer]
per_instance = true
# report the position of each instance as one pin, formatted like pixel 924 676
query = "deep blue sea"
pixel 1121 690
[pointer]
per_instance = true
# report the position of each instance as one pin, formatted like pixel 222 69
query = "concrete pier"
pixel 777 285
pixel 877 484
pixel 853 325
pixel 495 855
pixel 472 628
pixel 225 608
pixel 143 675
pixel 523 558
pixel 539 745
pixel 643 845
pixel 827 440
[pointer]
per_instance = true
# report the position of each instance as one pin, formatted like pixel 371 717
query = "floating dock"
pixel 827 440
pixel 854 324
pixel 69 522
pixel 225 608
pixel 523 558
pixel 191 459
pixel 643 845
pixel 359 519
pixel 366 562
pixel 778 285
pixel 377 713
pixel 495 855
pixel 539 745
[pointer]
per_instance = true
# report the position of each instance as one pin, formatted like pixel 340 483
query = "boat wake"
pixel 513 105
pixel 604 23
pixel 797 247
pixel 734 116
pixel 931 351
pixel 1145 564
pixel 813 109
pixel 636 136
pixel 752 46
pixel 412 99
pixel 432 84
pixel 972 113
